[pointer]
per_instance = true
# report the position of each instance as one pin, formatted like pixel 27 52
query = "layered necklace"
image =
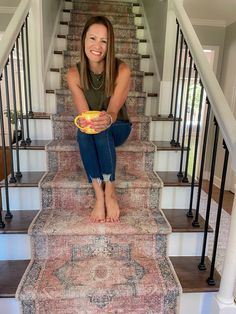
pixel 96 80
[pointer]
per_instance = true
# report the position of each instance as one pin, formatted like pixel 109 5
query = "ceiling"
pixel 221 11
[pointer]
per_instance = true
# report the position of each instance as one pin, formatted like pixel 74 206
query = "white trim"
pixel 7 10
pixel 204 22
pixel 150 41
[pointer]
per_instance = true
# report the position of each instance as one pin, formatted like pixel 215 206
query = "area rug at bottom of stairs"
pixel 95 283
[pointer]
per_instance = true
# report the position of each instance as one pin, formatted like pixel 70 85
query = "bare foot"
pixel 112 208
pixel 98 213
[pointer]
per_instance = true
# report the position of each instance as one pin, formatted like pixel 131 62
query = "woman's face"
pixel 96 42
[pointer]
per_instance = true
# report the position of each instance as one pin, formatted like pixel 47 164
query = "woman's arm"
pixel 122 86
pixel 73 80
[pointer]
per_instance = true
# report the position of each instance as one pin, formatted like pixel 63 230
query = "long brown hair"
pixel 110 64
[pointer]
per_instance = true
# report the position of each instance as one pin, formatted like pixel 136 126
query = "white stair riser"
pixel 63 29
pixel 137 10
pixel 32 160
pixel 28 198
pixel 40 129
pixel 68 5
pixel 143 48
pixel 151 108
pixel 53 80
pixel 177 197
pixel 60 44
pixel 146 64
pixel 65 16
pixel 15 246
pixel 138 21
pixel 161 131
pixel 57 61
pixel 199 303
pixel 10 306
pixel 141 34
pixel 167 160
pixel 50 103
pixel 185 244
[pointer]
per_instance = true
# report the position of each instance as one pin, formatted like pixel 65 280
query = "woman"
pixel 101 82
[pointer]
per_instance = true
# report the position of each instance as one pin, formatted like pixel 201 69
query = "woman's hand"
pixel 102 122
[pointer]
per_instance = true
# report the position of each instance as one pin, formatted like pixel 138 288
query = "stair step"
pixel 191 278
pixel 116 19
pixel 170 178
pixel 166 146
pixel 11 273
pixel 19 223
pixel 164 118
pixel 34 145
pixel 100 281
pixel 179 221
pixel 28 179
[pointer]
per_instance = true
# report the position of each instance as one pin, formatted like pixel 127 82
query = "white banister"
pixel 12 31
pixel 219 105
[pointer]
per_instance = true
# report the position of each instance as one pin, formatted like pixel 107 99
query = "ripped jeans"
pixel 98 152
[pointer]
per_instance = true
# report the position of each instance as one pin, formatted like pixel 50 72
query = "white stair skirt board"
pixel 53 80
pixel 196 303
pixel 152 104
pixel 40 129
pixel 161 131
pixel 65 16
pixel 10 306
pixel 63 29
pixel 140 34
pixel 167 160
pixel 57 61
pixel 15 247
pixel 143 48
pixel 185 244
pixel 177 197
pixel 31 160
pixel 28 198
pixel 61 44
pixel 50 103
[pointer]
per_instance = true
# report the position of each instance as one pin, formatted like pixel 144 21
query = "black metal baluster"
pixel 211 280
pixel 12 178
pixel 174 72
pixel 31 114
pixel 195 222
pixel 201 265
pixel 173 142
pixel 4 159
pixel 177 144
pixel 180 173
pixel 190 212
pixel 23 142
pixel 18 172
pixel 28 140
pixel 185 178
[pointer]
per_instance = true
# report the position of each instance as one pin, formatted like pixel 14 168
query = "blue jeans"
pixel 98 152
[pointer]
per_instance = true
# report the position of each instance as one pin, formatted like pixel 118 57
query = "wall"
pixel 7 7
pixel 156 18
pixel 4 21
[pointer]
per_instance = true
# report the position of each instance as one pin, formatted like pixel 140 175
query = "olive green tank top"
pixel 96 97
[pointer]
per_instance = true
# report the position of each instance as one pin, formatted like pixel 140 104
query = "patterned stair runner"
pixel 81 267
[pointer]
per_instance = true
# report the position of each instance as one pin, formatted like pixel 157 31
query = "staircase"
pixel 79 267
pixel 130 267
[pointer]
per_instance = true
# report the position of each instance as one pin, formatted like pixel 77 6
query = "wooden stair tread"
pixel 165 145
pixel 170 178
pixel 19 223
pixel 11 272
pixel 181 223
pixel 35 144
pixel 191 278
pixel 28 179
pixel 164 118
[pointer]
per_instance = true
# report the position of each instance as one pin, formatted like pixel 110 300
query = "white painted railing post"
pixel 224 300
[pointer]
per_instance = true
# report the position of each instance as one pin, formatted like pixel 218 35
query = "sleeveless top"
pixel 96 97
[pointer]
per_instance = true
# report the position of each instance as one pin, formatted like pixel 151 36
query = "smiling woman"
pixel 101 82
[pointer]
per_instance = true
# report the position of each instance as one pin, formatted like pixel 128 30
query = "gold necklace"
pixel 90 81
